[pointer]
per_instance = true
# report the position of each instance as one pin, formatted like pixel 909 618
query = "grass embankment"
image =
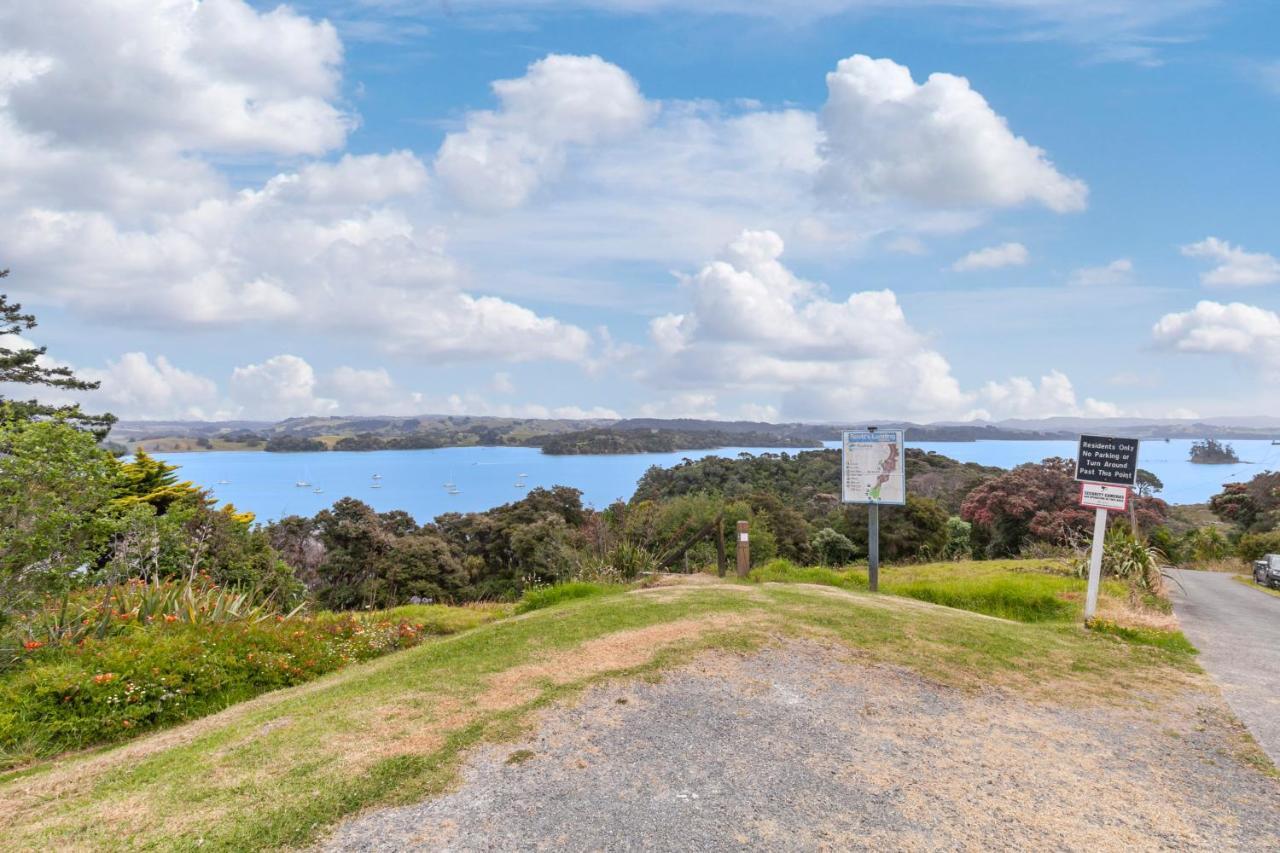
pixel 1248 580
pixel 1032 591
pixel 276 771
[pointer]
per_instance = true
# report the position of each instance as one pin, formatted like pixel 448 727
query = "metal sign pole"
pixel 1095 564
pixel 873 547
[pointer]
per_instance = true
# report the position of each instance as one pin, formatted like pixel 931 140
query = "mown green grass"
pixel 276 772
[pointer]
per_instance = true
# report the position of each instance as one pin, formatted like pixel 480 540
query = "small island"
pixel 1213 452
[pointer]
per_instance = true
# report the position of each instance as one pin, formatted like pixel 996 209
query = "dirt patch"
pixel 797 747
pixel 397 730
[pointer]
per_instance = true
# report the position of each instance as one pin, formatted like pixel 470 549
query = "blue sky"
pixel 835 210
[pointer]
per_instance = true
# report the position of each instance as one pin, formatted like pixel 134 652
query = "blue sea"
pixel 485 477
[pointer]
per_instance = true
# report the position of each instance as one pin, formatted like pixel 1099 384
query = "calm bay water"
pixel 413 480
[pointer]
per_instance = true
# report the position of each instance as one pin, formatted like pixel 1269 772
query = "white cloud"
pixel 1236 329
pixel 993 257
pixel 758 412
pixel 1053 396
pixel 937 143
pixel 684 405
pixel 139 387
pixel 502 156
pixel 353 180
pixel 755 328
pixel 137 75
pixel 1235 267
pixel 1114 274
pixel 283 386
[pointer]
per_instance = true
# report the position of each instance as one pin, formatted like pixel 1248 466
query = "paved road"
pixel 1237 630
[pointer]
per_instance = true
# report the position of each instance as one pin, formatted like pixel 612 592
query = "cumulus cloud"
pixel 1114 274
pixel 754 327
pixel 138 74
pixel 937 143
pixel 283 386
pixel 1235 329
pixel 1234 266
pixel 1052 396
pixel 142 387
pixel 993 257
pixel 502 155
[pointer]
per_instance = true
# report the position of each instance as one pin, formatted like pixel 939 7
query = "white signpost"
pixel 1107 469
pixel 873 471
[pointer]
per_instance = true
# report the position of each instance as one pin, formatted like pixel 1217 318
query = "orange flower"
pixel 32 645
pixel 169 617
pixel 104 678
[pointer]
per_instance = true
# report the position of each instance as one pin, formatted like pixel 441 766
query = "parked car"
pixel 1267 571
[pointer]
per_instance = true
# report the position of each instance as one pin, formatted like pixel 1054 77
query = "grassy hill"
pixel 277 770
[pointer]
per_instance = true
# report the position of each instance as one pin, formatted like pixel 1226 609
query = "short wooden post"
pixel 722 564
pixel 744 550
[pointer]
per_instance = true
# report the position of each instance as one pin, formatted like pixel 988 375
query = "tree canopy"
pixel 21 364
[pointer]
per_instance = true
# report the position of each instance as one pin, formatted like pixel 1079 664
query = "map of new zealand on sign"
pixel 874 467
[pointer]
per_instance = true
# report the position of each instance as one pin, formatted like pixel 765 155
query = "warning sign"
pixel 1099 496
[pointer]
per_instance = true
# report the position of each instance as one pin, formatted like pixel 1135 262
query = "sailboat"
pixel 377 476
pixel 223 482
pixel 318 490
pixel 302 484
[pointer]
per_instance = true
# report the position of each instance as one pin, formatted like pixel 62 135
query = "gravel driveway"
pixel 1237 630
pixel 801 747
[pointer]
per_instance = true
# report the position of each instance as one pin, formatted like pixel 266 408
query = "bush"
pixel 1255 546
pixel 832 548
pixel 110 689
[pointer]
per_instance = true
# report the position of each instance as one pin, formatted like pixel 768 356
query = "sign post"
pixel 873 472
pixel 1107 469
pixel 744 550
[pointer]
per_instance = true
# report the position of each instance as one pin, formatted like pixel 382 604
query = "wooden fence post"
pixel 744 550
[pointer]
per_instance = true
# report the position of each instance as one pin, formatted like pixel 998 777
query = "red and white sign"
pixel 1100 496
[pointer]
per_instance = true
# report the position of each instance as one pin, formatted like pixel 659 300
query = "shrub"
pixel 832 548
pixel 113 688
pixel 1254 546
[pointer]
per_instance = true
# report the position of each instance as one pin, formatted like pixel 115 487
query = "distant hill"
pixel 631 435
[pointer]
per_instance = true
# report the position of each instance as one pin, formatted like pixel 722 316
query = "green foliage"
pixel 1254 546
pixel 1208 544
pixel 147 480
pixel 118 686
pixel 549 596
pixel 833 548
pixel 959 539
pixel 22 366
pixel 54 485
pixel 917 531
pixel 1129 559
pixel 1210 451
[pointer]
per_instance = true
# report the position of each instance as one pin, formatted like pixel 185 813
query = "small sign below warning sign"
pixel 1099 496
